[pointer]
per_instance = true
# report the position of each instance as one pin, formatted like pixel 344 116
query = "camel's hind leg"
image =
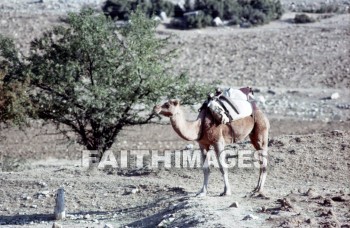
pixel 259 139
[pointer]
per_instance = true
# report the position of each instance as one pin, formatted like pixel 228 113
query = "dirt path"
pixel 319 162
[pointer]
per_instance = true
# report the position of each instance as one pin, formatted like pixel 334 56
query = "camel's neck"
pixel 188 130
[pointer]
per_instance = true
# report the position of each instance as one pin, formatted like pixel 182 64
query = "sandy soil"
pixel 294 70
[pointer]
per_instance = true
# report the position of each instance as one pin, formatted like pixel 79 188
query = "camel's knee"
pixel 258 143
pixel 259 140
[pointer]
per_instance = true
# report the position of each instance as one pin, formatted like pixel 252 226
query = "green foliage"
pixel 14 101
pixel 259 12
pixel 122 9
pixel 197 20
pixel 330 7
pixel 303 18
pixel 96 79
pixel 162 5
pixel 255 12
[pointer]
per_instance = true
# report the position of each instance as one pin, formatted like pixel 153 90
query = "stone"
pixel 217 22
pixel 245 25
pixel 250 217
pixel 134 191
pixel 335 96
pixel 311 193
pixel 310 221
pixel 56 225
pixel 234 204
pixel 42 184
pixel 108 226
pixel 70 216
pixel 87 216
pixel 163 16
pixel 156 18
pixel 270 91
pixel 166 221
pixel 45 193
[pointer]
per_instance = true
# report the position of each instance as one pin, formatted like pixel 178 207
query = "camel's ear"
pixel 251 90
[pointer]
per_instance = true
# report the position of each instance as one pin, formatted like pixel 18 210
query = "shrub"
pixel 261 11
pixel 303 18
pixel 254 12
pixel 121 9
pixel 12 164
pixel 328 8
pixel 162 5
pixel 197 19
pixel 332 7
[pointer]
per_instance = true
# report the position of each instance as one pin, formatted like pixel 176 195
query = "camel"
pixel 207 132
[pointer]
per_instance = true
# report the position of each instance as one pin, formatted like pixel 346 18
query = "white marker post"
pixel 1 161
pixel 60 212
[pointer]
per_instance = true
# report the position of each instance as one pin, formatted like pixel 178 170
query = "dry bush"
pixel 303 18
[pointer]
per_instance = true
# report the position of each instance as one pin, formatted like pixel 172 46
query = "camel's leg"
pixel 259 139
pixel 206 171
pixel 219 148
pixel 262 154
pixel 260 143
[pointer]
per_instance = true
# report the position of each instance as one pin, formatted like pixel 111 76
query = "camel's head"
pixel 168 109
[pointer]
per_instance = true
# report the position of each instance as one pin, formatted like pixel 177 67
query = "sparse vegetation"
pixel 331 7
pixel 197 19
pixel 303 18
pixel 122 9
pixel 233 11
pixel 256 12
pixel 200 13
pixel 11 164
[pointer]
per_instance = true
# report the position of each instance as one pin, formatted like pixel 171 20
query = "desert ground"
pixel 301 77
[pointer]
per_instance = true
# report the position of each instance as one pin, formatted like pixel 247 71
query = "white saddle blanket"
pixel 244 108
pixel 238 94
pixel 240 100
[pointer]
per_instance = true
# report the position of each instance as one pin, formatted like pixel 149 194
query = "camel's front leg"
pixel 206 171
pixel 219 150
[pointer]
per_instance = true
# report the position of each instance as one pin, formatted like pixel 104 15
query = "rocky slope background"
pixel 301 77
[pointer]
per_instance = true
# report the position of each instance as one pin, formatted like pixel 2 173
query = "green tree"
pixel 14 99
pixel 96 79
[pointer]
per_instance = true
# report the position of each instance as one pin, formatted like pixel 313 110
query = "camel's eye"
pixel 166 105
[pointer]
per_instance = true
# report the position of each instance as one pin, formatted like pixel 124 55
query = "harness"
pixel 219 97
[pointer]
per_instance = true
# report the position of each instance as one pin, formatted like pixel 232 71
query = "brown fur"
pixel 207 132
